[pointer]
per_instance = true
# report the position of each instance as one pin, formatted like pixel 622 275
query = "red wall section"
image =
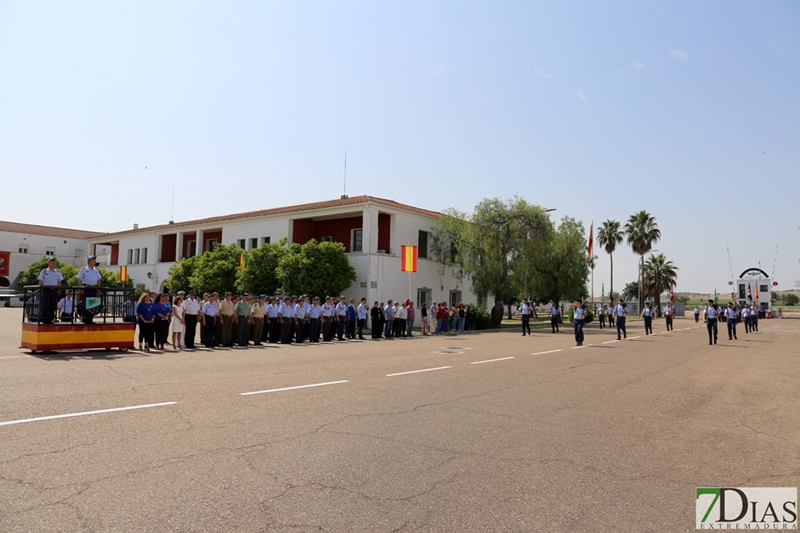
pixel 186 240
pixel 114 259
pixel 211 235
pixel 168 248
pixel 384 231
pixel 303 230
pixel 338 229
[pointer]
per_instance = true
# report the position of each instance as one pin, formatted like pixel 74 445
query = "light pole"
pixel 527 237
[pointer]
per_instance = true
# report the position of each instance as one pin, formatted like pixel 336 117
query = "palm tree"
pixel 658 274
pixel 641 232
pixel 608 236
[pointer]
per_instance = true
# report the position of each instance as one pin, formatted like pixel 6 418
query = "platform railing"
pixel 87 305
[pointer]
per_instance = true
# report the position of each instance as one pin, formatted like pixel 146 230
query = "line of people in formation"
pixel 731 315
pixel 616 317
pixel 242 319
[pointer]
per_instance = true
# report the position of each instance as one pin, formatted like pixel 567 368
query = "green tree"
pixel 631 291
pixel 657 275
pixel 260 276
pixel 316 268
pixel 110 278
pixel 31 275
pixel 561 267
pixel 790 299
pixel 609 235
pixel 492 245
pixel 641 232
pixel 180 274
pixel 216 270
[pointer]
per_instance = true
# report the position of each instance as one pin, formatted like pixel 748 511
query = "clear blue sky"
pixel 595 109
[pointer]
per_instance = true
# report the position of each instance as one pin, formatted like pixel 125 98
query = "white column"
pixel 178 245
pixel 198 245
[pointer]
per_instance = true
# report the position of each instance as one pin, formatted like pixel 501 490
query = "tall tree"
pixel 216 270
pixel 316 268
pixel 260 276
pixel 561 267
pixel 658 274
pixel 181 273
pixel 641 232
pixel 609 235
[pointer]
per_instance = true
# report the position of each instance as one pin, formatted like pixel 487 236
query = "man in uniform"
pixel 327 318
pixel 273 312
pixel 226 312
pixel 647 315
pixel 286 317
pixel 300 315
pixel 554 315
pixel 525 311
pixel 746 318
pixel 754 318
pixel 696 314
pixel 209 317
pixel 602 311
pixel 620 312
pixel 352 316
pixel 257 319
pixel 341 318
pixel 579 320
pixel 730 320
pixel 710 318
pixel 90 277
pixel 191 308
pixel 242 316
pixel 314 312
pixel 49 278
pixel 362 318
pixel 669 313
pixel 66 306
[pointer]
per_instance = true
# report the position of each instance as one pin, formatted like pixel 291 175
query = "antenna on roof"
pixel 172 213
pixel 344 196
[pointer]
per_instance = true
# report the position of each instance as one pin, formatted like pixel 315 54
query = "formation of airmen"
pixel 731 315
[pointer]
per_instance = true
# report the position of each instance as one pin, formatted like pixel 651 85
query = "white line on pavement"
pixel 492 360
pixel 548 351
pixel 417 371
pixel 13 356
pixel 636 337
pixel 86 413
pixel 609 342
pixel 293 388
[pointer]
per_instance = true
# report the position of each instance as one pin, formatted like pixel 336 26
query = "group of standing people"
pixel 732 315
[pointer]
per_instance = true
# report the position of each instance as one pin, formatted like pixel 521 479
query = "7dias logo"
pixel 746 508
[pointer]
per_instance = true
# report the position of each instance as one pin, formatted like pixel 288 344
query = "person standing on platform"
pixel 620 312
pixel 730 320
pixel 710 315
pixel 578 318
pixel 191 308
pixel 314 314
pixel 352 316
pixel 91 278
pixel 375 315
pixel 341 318
pixel 362 317
pixel 411 315
pixel 525 311
pixel 669 313
pixel 210 313
pixel 555 315
pixel 49 279
pixel 647 315
pixel 66 306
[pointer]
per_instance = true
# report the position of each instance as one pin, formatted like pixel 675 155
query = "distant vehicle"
pixel 6 295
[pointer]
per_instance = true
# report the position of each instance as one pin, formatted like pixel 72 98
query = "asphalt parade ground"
pixel 477 432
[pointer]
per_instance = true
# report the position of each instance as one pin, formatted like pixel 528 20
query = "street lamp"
pixel 528 236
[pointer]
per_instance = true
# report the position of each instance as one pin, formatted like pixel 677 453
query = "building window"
pixel 51 250
pixel 422 245
pixel 130 256
pixel 211 244
pixel 253 243
pixel 455 298
pixel 326 238
pixel 741 291
pixel 482 300
pixel 240 243
pixel 357 240
pixel 424 296
pixel 144 255
pixel 79 252
pixel 23 248
pixel 191 249
pixel 136 256
pixel 264 240
pixel 763 288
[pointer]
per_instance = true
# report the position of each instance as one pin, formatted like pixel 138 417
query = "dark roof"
pixel 47 231
pixel 343 202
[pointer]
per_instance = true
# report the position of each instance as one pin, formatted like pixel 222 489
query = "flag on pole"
pixel 671 291
pixel 123 273
pixel 603 291
pixel 242 263
pixel 591 240
pixel 408 262
pixel 756 291
pixel 715 295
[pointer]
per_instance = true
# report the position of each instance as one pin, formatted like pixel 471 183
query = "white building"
pixel 21 245
pixel 371 229
pixel 753 283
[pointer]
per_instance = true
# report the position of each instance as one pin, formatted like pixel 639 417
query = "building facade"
pixel 371 229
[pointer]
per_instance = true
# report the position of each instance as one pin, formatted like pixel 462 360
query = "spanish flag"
pixel 242 263
pixel 123 273
pixel 408 262
pixel 591 240
pixel 756 291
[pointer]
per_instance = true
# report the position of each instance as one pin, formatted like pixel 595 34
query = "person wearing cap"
pixel 89 276
pixel 300 319
pixel 226 312
pixel 341 318
pixel 286 317
pixel 620 312
pixel 328 313
pixel 191 308
pixel 273 310
pixel 669 314
pixel 241 317
pixel 647 315
pixel 579 319
pixel 257 320
pixel 49 278
pixel 65 307
pixel 710 315
pixel 730 320
pixel 362 317
pixel 352 316
pixel 210 313
pixel 314 312
pixel 525 311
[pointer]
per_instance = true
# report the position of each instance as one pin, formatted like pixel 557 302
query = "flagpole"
pixel 591 254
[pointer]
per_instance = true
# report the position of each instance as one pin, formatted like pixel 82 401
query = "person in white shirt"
pixel 669 313
pixel 65 307
pixel 710 313
pixel 647 315
pixel 730 320
pixel 178 322
pixel 554 316
pixel 362 317
pixel 49 278
pixel 209 317
pixel 620 312
pixel 525 311
pixel 191 308
pixel 91 278
pixel 579 320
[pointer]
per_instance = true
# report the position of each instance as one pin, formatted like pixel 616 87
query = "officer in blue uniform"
pixel 554 313
pixel 90 277
pixel 579 319
pixel 328 314
pixel 314 312
pixel 647 314
pixel 49 278
pixel 300 321
pixel 620 312
pixel 341 318
pixel 710 315
pixel 730 320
